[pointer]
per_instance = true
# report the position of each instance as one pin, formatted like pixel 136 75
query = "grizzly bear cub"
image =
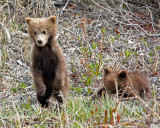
pixel 48 64
pixel 136 83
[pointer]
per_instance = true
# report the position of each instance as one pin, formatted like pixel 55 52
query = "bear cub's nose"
pixel 39 41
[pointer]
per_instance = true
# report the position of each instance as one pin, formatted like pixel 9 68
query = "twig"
pixel 130 24
pixel 103 7
pixel 8 36
pixel 77 36
pixel 140 100
pixel 65 5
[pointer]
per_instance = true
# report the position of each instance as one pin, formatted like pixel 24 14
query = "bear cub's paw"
pixel 41 91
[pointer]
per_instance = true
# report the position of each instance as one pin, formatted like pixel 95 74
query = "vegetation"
pixel 93 34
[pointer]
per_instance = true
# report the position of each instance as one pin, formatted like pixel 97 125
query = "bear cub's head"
pixel 41 30
pixel 111 78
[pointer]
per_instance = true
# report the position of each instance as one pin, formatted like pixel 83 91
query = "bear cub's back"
pixel 136 81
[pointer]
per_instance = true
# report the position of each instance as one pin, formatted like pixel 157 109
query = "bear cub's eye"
pixel 44 32
pixel 35 33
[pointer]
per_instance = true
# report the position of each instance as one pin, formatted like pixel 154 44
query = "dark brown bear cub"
pixel 48 67
pixel 136 83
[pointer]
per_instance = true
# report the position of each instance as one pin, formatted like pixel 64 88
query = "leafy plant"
pixel 21 86
pixel 92 71
pixel 14 25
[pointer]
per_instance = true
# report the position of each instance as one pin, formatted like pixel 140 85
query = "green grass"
pixel 76 113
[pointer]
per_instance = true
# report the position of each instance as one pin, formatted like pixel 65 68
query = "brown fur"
pixel 48 64
pixel 136 83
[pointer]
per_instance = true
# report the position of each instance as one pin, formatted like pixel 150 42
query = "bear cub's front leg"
pixel 40 86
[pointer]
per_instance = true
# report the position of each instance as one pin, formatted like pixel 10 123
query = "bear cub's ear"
pixel 122 75
pixel 107 71
pixel 28 20
pixel 52 19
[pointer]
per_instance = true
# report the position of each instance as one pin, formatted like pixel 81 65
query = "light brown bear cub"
pixel 48 67
pixel 136 82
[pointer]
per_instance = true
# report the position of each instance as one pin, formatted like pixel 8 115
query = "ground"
pixel 93 35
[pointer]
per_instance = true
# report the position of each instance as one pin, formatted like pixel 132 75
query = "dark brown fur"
pixel 48 64
pixel 136 83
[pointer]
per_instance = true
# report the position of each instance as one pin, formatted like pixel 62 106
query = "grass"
pixel 77 112
pixel 90 40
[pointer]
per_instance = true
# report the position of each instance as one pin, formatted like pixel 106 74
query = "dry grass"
pixel 93 35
